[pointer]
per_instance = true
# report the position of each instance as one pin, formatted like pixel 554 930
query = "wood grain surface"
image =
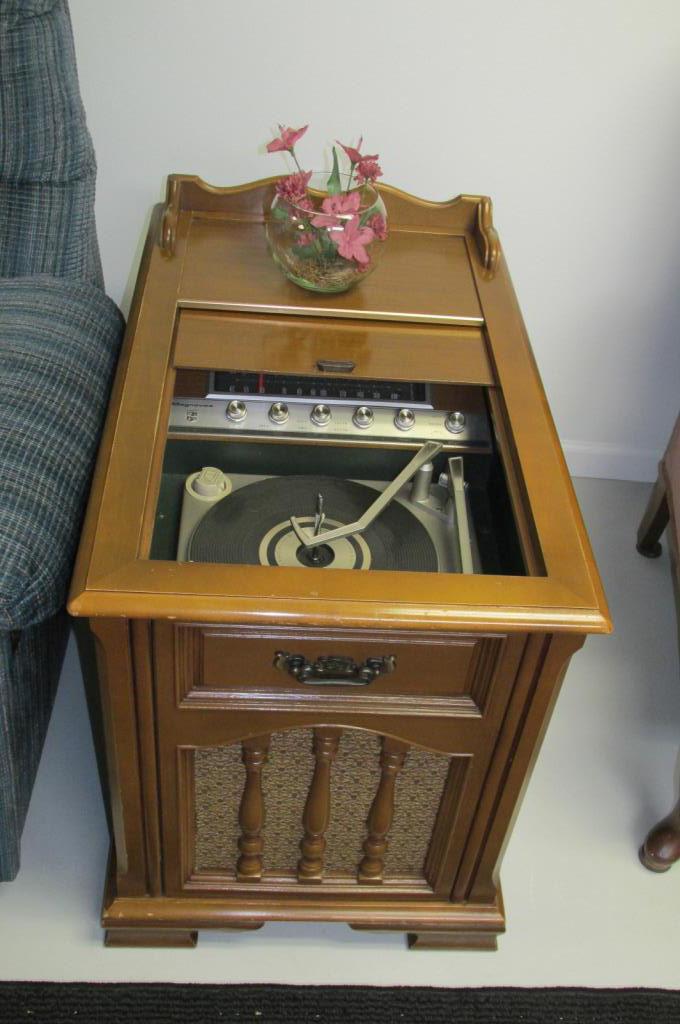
pixel 187 652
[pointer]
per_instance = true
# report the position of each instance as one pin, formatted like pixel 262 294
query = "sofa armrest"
pixel 59 341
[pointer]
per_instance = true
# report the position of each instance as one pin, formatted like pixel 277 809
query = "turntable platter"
pixel 251 526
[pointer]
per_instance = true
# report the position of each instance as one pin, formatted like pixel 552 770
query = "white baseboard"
pixel 610 461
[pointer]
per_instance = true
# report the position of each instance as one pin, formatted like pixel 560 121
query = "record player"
pixel 416 517
pixel 334 571
pixel 418 521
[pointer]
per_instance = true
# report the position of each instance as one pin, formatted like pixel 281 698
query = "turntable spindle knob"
pixel 405 419
pixel 455 422
pixel 236 410
pixel 320 414
pixel 363 417
pixel 278 412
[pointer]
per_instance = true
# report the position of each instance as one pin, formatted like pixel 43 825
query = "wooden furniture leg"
pixel 661 848
pixel 654 521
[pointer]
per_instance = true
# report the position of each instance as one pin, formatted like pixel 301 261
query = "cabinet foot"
pixel 661 848
pixel 452 940
pixel 160 937
pixel 654 521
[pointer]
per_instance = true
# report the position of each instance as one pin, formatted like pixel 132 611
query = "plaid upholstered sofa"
pixel 59 338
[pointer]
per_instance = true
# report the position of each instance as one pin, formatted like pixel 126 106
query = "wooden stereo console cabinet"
pixel 339 732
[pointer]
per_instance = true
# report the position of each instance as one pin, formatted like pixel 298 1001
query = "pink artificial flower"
pixel 378 225
pixel 368 169
pixel 337 208
pixel 294 188
pixel 353 154
pixel 352 240
pixel 305 238
pixel 287 139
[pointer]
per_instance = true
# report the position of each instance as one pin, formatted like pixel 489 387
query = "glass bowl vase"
pixel 326 242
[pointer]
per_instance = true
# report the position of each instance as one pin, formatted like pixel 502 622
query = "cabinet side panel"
pixel 119 712
pixel 143 669
pixel 538 684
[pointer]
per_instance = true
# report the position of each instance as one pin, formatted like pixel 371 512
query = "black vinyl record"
pixel 251 526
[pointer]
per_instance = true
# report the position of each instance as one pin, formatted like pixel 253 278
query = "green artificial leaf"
pixel 326 240
pixel 333 186
pixel 368 214
pixel 279 213
pixel 306 251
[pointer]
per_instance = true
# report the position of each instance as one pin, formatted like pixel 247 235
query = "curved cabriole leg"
pixel 661 848
pixel 654 521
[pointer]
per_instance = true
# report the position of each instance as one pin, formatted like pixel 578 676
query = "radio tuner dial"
pixel 363 417
pixel 236 410
pixel 455 422
pixel 405 419
pixel 278 412
pixel 320 414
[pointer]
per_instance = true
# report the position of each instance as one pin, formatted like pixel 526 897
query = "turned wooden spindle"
pixel 381 813
pixel 318 806
pixel 251 811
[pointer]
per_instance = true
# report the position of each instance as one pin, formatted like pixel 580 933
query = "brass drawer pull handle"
pixel 335 365
pixel 333 669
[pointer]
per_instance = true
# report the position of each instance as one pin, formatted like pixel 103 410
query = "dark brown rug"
pixel 43 1002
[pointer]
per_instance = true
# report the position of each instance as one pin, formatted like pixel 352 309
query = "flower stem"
pixel 297 164
pixel 314 232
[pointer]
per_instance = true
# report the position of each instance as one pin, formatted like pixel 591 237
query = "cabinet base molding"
pixel 175 921
pixel 466 937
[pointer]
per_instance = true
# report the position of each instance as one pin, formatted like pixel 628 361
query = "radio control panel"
pixel 270 405
pixel 361 423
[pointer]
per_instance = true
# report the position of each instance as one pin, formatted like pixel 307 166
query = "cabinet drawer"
pixel 437 673
pixel 295 345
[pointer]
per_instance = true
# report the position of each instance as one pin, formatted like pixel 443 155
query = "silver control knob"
pixel 278 412
pixel 236 410
pixel 320 414
pixel 363 417
pixel 455 422
pixel 405 419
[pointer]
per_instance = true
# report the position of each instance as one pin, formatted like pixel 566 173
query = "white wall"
pixel 566 112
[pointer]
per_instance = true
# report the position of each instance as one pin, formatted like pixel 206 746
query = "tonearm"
pixel 311 540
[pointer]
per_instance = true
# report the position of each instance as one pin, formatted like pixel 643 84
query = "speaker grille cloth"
pixel 219 778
